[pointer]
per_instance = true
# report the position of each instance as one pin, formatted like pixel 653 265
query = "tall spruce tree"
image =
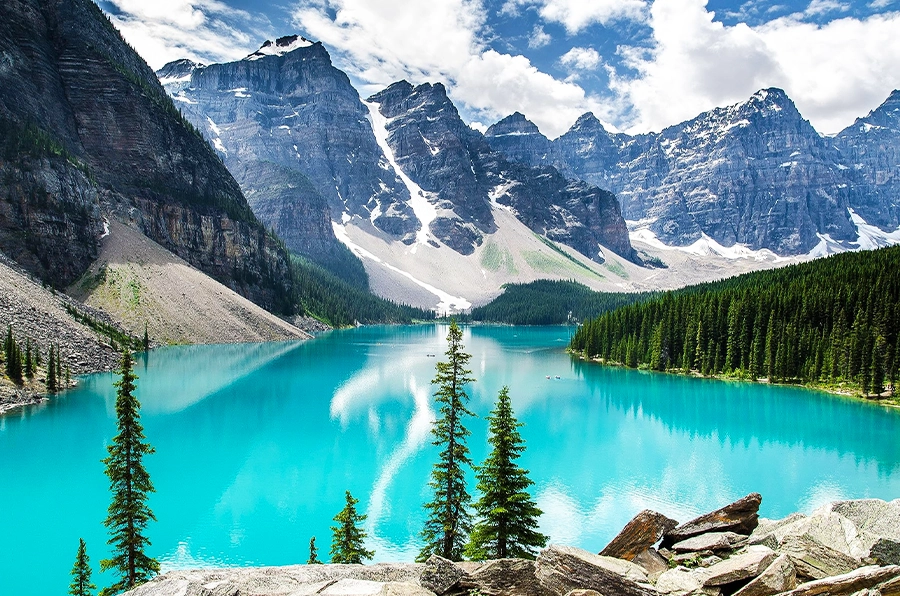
pixel 81 573
pixel 313 553
pixel 51 372
pixel 347 538
pixel 507 515
pixel 129 482
pixel 29 360
pixel 449 521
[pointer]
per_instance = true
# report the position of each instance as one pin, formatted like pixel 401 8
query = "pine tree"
pixel 347 538
pixel 29 360
pixel 449 521
pixel 313 553
pixel 146 339
pixel 59 372
pixel 13 355
pixel 81 573
pixel 130 485
pixel 507 514
pixel 51 372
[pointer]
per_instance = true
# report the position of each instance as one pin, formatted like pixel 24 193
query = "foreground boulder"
pixel 711 541
pixel 440 575
pixel 814 560
pixel 848 583
pixel 505 577
pixel 740 567
pixel 780 576
pixel 740 517
pixel 561 569
pixel 642 532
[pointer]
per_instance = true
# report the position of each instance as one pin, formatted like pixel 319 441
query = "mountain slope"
pixel 754 173
pixel 86 129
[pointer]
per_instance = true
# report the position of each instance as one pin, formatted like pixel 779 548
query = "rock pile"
pixel 846 548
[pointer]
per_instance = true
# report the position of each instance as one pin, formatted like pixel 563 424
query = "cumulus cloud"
pixel 580 58
pixel 576 15
pixel 834 71
pixel 539 38
pixel 381 41
pixel 820 7
pixel 202 30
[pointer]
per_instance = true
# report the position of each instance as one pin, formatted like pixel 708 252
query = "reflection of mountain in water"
pixel 744 413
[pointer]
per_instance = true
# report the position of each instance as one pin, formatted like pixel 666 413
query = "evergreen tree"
pixel 347 538
pixel 81 573
pixel 59 371
pixel 51 372
pixel 146 339
pixel 130 485
pixel 507 514
pixel 14 360
pixel 449 521
pixel 313 553
pixel 29 360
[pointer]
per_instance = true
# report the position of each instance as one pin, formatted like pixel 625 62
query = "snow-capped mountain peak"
pixel 280 47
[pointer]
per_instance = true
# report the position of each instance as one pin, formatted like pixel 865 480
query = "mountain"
pixel 88 133
pixel 871 150
pixel 293 131
pixel 462 176
pixel 399 178
pixel 755 174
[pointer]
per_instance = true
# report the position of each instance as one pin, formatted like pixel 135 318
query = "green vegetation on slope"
pixel 549 302
pixel 327 297
pixel 831 321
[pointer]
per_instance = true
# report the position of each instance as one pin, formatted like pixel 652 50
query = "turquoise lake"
pixel 256 444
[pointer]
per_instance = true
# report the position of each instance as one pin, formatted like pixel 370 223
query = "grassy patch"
pixel 616 268
pixel 493 258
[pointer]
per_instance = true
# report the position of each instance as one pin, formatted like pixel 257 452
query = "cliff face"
pixel 288 111
pixel 871 151
pixel 96 132
pixel 754 173
pixel 464 176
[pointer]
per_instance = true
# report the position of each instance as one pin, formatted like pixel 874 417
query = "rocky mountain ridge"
pixel 87 132
pixel 755 174
pixel 403 162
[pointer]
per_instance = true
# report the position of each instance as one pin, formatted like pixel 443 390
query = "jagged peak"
pixel 588 121
pixel 514 124
pixel 401 88
pixel 281 46
pixel 178 70
pixel 771 99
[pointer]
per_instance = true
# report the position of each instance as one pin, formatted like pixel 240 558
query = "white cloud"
pixel 834 72
pixel 879 4
pixel 820 7
pixel 581 58
pixel 576 15
pixel 539 38
pixel 202 30
pixel 380 41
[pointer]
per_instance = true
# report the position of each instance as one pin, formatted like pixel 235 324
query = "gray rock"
pixel 581 592
pixel 848 583
pixel 740 517
pixel 639 534
pixel 505 576
pixel 561 569
pixel 710 541
pixel 885 552
pixel 780 576
pixel 814 560
pixel 440 575
pixel 681 580
pixel 740 567
pixel 652 563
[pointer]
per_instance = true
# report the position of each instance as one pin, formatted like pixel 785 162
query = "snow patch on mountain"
pixel 447 303
pixel 705 246
pixel 280 47
pixel 418 199
pixel 872 237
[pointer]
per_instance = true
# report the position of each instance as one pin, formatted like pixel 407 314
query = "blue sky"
pixel 639 65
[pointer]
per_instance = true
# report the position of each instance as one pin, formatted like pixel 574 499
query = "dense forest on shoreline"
pixel 551 302
pixel 830 321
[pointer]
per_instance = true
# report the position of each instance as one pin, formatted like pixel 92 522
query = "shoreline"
pixel 885 401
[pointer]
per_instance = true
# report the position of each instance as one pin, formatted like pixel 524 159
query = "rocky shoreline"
pixel 844 548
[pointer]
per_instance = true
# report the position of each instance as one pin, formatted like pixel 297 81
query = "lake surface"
pixel 256 444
